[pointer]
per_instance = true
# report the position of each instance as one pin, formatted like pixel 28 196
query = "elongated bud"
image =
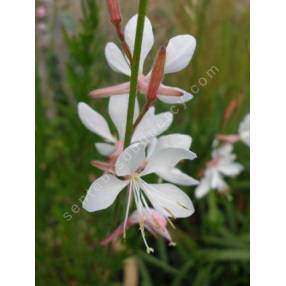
pixel 231 108
pixel 157 75
pixel 232 138
pixel 115 18
pixel 115 14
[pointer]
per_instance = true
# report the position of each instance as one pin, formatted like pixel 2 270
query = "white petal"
pixel 130 159
pixel 203 188
pixel 117 108
pixel 244 130
pixel 180 50
pixel 231 170
pixel 223 152
pixel 174 141
pixel 147 41
pixel 103 192
pixel 152 126
pixel 168 199
pixel 94 122
pixel 116 60
pixel 166 158
pixel 151 147
pixel 245 138
pixel 176 176
pixel 170 141
pixel 105 149
pixel 217 182
pixel 176 99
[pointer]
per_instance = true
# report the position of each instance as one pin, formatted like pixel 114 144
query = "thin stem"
pixel 135 70
pixel 141 115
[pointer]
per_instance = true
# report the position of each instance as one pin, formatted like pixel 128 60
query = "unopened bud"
pixel 114 12
pixel 157 75
pixel 231 108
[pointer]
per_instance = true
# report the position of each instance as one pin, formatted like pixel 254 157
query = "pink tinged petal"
pixel 180 50
pixel 116 60
pixel 166 158
pixel 94 122
pixel 174 175
pixel 105 149
pixel 103 166
pixel 168 199
pixel 130 160
pixel 152 125
pixel 169 91
pixel 147 41
pixel 203 188
pixel 185 97
pixel 143 84
pixel 117 108
pixel 119 146
pixel 116 234
pixel 228 138
pixel 103 192
pixel 154 221
pixel 232 169
pixel 114 90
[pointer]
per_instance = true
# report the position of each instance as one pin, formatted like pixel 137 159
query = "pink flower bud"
pixel 114 12
pixel 41 12
pixel 157 75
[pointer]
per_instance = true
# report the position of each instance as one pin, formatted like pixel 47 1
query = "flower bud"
pixel 157 75
pixel 114 12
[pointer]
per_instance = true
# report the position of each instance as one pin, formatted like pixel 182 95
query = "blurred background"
pixel 213 244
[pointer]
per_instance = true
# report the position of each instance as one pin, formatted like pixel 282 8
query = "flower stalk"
pixel 135 70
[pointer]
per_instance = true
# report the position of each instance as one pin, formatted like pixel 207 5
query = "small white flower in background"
pixel 133 164
pixel 179 52
pixel 243 133
pixel 151 125
pixel 222 165
pixel 153 221
pixel 244 130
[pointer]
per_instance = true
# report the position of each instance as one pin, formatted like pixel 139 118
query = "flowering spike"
pixel 157 75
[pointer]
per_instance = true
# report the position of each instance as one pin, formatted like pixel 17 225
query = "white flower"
pixel 243 133
pixel 179 53
pixel 244 130
pixel 151 125
pixel 132 165
pixel 222 164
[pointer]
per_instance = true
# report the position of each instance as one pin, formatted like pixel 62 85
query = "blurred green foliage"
pixel 212 245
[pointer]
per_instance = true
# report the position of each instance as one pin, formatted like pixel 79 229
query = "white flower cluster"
pixel 223 162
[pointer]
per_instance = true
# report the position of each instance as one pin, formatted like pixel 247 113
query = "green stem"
pixel 135 71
